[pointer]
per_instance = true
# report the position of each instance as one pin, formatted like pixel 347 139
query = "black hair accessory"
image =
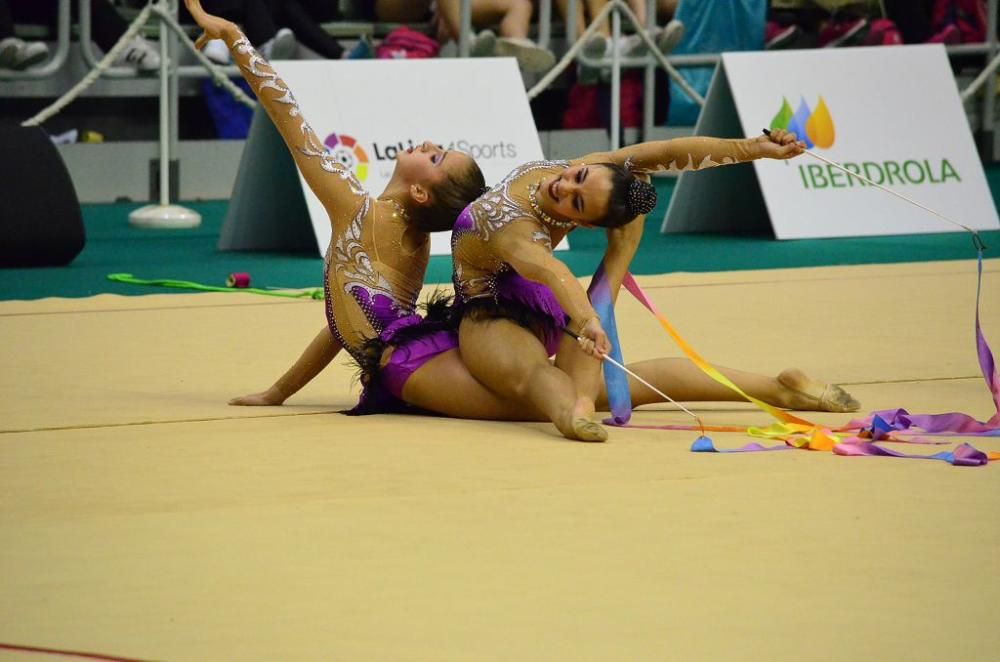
pixel 641 197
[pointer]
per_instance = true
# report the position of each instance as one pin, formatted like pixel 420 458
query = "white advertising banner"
pixel 892 115
pixel 367 111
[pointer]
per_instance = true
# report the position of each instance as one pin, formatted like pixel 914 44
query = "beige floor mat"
pixel 141 516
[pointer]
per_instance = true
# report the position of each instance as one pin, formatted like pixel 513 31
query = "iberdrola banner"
pixel 892 115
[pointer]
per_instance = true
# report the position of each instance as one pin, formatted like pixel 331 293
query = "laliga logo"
pixel 347 152
pixel 814 127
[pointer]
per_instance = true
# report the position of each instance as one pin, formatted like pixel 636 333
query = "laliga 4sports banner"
pixel 891 114
pixel 366 112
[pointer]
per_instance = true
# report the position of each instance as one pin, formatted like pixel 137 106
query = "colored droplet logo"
pixel 813 127
pixel 783 117
pixel 346 151
pixel 819 126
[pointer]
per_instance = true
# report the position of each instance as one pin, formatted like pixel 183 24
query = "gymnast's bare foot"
pixel 580 426
pixel 802 393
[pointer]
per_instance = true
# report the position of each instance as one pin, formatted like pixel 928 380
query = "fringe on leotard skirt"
pixel 524 302
pixel 375 397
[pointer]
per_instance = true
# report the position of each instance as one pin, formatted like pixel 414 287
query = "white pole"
pixel 164 215
pixel 616 79
pixel 164 118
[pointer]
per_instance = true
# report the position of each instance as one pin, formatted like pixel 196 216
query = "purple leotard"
pixel 371 283
pixel 487 287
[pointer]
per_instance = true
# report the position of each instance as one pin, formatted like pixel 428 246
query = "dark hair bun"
pixel 641 197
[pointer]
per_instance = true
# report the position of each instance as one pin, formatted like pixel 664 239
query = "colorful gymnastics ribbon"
pixel 315 293
pixel 619 398
pixel 900 420
pixel 797 432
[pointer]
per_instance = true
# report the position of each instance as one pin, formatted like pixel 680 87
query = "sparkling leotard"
pixel 480 275
pixel 476 267
pixel 373 268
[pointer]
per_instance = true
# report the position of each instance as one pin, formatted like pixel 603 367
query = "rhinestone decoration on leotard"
pixel 349 270
pixel 259 67
pixel 496 208
pixel 545 218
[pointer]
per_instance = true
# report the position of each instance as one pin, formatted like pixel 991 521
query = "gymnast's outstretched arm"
pixel 314 359
pixel 335 186
pixel 623 242
pixel 699 152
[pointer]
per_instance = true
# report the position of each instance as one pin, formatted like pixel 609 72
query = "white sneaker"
pixel 18 54
pixel 670 37
pixel 282 46
pixel 217 51
pixel 140 55
pixel 530 56
pixel 632 45
pixel 483 44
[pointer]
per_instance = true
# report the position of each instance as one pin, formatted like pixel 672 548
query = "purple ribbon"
pixel 880 423
pixel 986 363
pixel 964 455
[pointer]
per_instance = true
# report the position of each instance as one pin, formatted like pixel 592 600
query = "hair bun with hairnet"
pixel 641 197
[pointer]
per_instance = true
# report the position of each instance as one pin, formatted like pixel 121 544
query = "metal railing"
pixel 170 71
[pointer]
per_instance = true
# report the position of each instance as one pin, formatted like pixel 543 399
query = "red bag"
pixel 404 43
pixel 584 111
pixel 968 15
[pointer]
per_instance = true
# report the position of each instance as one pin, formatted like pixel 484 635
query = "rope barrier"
pixel 660 57
pixel 218 75
pixel 561 65
pixel 53 109
pixel 162 10
pixel 974 86
pixel 571 54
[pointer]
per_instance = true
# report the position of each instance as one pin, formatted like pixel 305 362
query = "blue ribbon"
pixel 615 379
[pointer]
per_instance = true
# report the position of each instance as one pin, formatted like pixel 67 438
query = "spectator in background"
pixel 393 11
pixel 257 19
pixel 107 27
pixel 666 37
pixel 598 46
pixel 712 27
pixel 305 18
pixel 16 53
pixel 514 20
pixel 823 23
pixel 939 21
pixel 874 22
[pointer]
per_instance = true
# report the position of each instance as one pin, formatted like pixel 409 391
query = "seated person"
pixel 514 20
pixel 107 27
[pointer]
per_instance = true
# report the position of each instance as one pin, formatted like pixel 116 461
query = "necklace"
pixel 533 200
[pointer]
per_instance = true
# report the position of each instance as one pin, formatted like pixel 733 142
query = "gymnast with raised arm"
pixel 515 299
pixel 375 266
